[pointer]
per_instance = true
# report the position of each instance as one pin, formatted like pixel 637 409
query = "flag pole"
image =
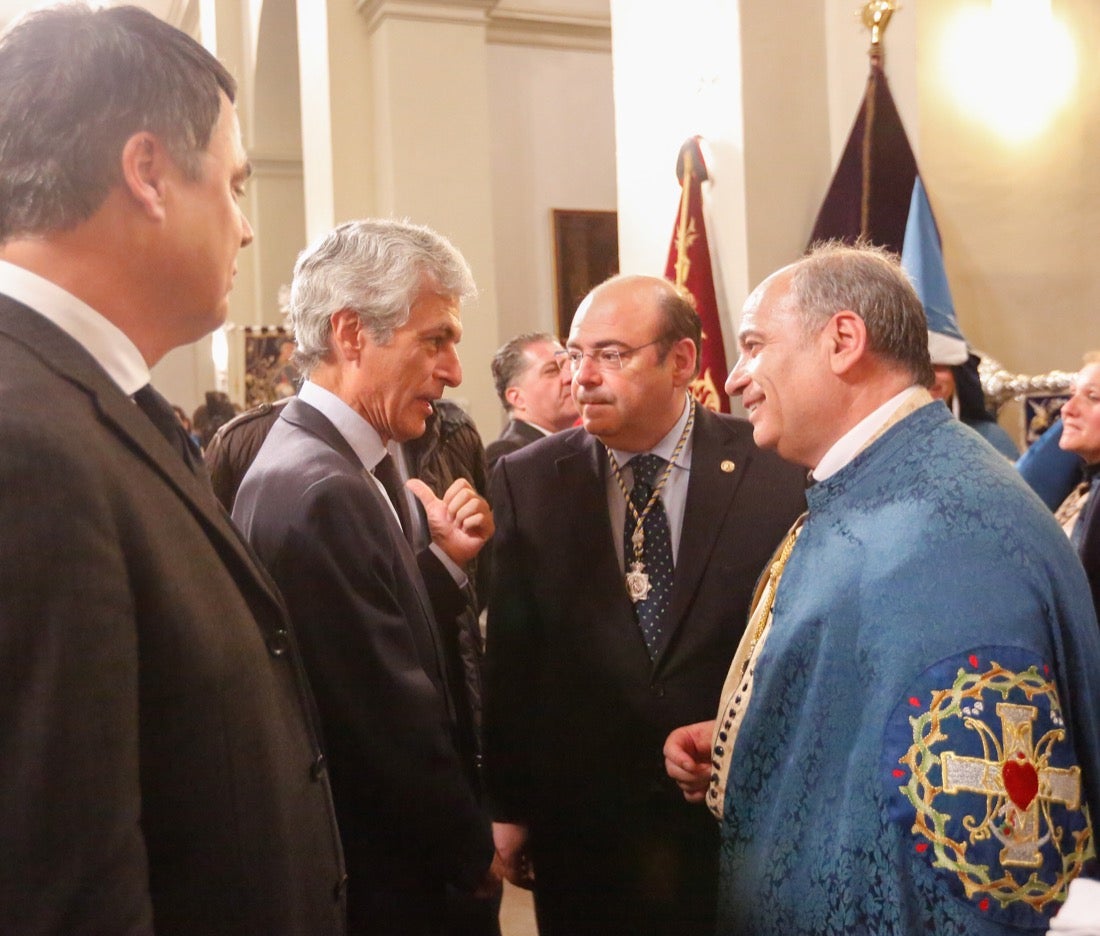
pixel 876 17
pixel 683 262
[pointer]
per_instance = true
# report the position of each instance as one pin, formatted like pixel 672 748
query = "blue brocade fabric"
pixel 930 681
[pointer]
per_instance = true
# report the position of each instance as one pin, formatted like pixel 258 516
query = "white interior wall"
pixel 1017 220
pixel 553 146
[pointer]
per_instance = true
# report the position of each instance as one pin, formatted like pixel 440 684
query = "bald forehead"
pixel 775 289
pixel 624 295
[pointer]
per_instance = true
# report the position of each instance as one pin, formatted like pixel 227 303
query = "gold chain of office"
pixel 637 579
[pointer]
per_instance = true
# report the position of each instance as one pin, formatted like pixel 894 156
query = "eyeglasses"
pixel 605 359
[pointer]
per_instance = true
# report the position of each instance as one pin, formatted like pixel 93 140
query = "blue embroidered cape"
pixel 929 685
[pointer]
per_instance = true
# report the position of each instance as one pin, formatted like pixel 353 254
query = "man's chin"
pixel 764 438
pixel 602 429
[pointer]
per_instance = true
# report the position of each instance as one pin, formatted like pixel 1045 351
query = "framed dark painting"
pixel 586 252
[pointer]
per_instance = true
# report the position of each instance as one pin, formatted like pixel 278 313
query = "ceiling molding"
pixel 467 12
pixel 274 164
pixel 547 30
pixel 506 25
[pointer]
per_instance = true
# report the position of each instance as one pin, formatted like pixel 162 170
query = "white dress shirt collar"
pixel 357 432
pixel 103 340
pixel 852 442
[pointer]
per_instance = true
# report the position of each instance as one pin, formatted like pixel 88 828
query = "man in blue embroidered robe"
pixel 908 739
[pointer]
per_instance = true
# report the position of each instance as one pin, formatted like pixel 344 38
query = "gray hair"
pixel 511 362
pixel 869 281
pixel 77 84
pixel 375 268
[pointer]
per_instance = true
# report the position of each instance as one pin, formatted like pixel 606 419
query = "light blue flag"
pixel 922 259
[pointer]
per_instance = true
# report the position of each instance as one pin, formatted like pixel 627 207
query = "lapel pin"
pixel 727 466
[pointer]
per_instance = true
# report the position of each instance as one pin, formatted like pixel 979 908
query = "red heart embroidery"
pixel 973 661
pixel 1021 781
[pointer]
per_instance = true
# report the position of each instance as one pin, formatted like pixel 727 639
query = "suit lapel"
pixel 711 489
pixel 591 541
pixel 313 421
pixel 525 432
pixel 71 362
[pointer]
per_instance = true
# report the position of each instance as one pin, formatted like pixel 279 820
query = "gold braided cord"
pixel 771 586
pixel 638 538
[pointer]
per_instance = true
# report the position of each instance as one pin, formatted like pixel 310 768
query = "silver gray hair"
pixel 869 281
pixel 377 269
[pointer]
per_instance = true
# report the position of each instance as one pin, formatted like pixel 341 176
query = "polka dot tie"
pixel 652 613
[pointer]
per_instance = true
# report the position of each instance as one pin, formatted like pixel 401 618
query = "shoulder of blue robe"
pixel 926 548
pixel 978 764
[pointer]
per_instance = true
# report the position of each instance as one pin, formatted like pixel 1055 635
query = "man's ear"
pixel 514 396
pixel 348 335
pixel 145 164
pixel 684 359
pixel 846 338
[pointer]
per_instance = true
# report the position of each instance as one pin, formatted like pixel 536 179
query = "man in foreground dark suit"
pixel 161 762
pixel 375 308
pixel 581 680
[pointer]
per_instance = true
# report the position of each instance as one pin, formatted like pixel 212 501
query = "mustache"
pixel 584 398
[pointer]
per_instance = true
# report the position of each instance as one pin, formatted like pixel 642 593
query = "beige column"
pixel 431 153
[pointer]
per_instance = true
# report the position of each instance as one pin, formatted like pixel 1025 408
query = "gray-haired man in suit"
pixel 376 312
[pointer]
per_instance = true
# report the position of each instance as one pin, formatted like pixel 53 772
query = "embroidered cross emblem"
pixel 1022 782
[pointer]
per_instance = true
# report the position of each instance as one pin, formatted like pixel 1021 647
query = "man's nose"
pixel 585 370
pixel 450 368
pixel 737 380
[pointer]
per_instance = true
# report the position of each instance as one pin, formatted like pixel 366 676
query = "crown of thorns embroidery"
pixel 1026 798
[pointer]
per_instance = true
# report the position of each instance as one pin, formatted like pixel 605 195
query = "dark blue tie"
pixel 387 472
pixel 652 613
pixel 161 414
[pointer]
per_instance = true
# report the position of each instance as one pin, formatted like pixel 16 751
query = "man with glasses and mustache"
pixel 625 556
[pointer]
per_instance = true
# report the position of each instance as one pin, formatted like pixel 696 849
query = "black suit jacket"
pixel 372 644
pixel 1089 547
pixel 515 436
pixel 159 758
pixel 576 713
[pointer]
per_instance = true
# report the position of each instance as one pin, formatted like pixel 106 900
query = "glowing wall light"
pixel 1011 64
pixel 219 352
